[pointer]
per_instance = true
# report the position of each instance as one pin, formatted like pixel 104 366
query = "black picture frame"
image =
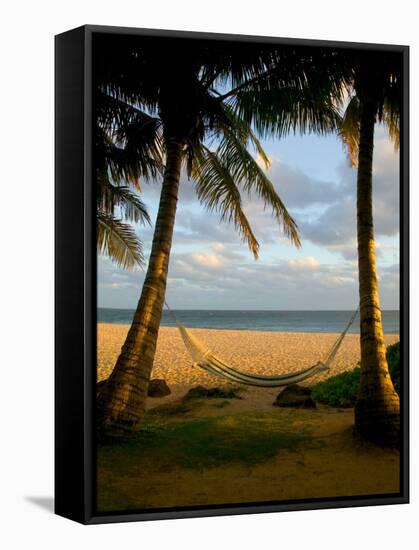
pixel 75 287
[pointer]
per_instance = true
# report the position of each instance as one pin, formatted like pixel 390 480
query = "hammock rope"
pixel 203 357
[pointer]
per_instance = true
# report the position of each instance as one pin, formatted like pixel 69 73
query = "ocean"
pixel 271 321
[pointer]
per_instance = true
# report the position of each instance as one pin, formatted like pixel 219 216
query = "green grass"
pixel 204 443
pixel 221 405
pixel 162 448
pixel 199 392
pixel 171 409
pixel 341 390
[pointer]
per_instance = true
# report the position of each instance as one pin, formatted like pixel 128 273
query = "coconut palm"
pixel 207 105
pixel 377 97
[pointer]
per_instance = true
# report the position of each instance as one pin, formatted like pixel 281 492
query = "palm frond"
pixel 121 166
pixel 128 148
pixel 112 112
pixel 145 96
pixel 142 142
pixel 217 190
pixel 244 133
pixel 118 241
pixel 112 196
pixel 378 76
pixel 391 116
pixel 245 170
pixel 281 111
pixel 349 129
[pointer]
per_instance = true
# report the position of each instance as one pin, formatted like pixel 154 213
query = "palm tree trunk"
pixel 377 410
pixel 121 402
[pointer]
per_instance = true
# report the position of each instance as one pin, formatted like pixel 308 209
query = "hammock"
pixel 203 357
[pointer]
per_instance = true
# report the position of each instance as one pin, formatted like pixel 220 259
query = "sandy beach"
pixel 266 353
pixel 194 452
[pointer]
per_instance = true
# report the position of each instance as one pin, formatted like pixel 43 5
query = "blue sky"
pixel 211 268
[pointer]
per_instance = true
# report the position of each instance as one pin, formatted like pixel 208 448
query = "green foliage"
pixel 385 86
pixel 118 240
pixel 349 129
pixel 226 100
pixel 341 390
pixel 119 166
pixel 169 410
pixel 393 359
pixel 338 391
pixel 222 175
pixel 198 392
pixel 221 405
pixel 165 448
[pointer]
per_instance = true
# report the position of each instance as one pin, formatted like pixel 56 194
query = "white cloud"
pixel 335 227
pixel 304 263
pixel 208 260
pixel 299 190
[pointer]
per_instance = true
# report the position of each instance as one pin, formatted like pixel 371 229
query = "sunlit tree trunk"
pixel 377 415
pixel 121 401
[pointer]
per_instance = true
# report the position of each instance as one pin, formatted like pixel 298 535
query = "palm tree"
pixel 377 88
pixel 205 103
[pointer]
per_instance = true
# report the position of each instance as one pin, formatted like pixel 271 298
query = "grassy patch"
pixel 199 392
pixel 169 410
pixel 341 390
pixel 221 405
pixel 244 438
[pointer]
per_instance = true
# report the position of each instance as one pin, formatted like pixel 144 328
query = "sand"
pixel 268 353
pixel 332 462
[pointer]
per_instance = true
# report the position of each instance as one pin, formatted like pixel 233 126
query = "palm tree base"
pixel 118 412
pixel 115 428
pixel 378 421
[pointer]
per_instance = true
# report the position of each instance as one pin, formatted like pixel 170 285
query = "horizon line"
pixel 208 309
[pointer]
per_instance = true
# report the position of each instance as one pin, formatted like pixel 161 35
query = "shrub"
pixel 393 359
pixel 341 390
pixel 228 392
pixel 338 391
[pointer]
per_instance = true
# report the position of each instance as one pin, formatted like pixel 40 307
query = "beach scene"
pixel 248 325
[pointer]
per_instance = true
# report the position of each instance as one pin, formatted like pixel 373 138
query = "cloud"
pixel 221 278
pixel 231 282
pixel 211 268
pixel 299 190
pixel 335 227
pixel 304 263
pixel 210 260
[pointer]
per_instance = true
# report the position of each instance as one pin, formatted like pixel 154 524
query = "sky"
pixel 211 268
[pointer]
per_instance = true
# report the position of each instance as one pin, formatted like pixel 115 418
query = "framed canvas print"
pixel 231 274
